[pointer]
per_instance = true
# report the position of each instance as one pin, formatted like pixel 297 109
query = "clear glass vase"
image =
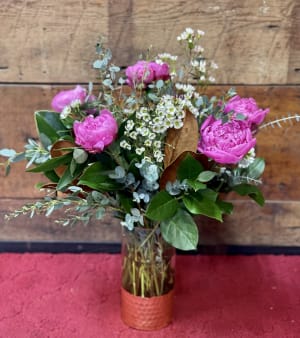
pixel 148 275
pixel 148 263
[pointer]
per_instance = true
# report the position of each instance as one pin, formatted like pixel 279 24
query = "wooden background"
pixel 48 45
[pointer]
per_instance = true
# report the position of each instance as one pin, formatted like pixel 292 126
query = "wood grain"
pixel 275 224
pixel 254 42
pixel 48 45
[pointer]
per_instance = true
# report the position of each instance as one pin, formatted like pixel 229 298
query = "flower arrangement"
pixel 150 147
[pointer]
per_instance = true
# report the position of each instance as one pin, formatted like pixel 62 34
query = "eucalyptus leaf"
pixel 80 155
pixel 206 176
pixel 49 127
pixel 7 152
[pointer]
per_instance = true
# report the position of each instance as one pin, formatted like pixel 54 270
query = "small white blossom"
pixel 178 124
pixel 129 125
pixel 157 144
pixel 200 33
pixel 198 49
pixel 248 159
pixel 75 103
pixel 133 135
pixel 140 150
pixel 213 65
pixel 125 145
pixel 148 143
pixel 167 56
pixel 65 112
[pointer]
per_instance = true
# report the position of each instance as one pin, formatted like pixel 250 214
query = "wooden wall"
pixel 47 45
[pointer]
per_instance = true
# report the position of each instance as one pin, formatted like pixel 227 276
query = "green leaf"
pixel 226 207
pixel 161 206
pixel 126 202
pixel 65 180
pixel 208 194
pixel 252 191
pixel 256 168
pixel 180 231
pixel 52 163
pixel 206 176
pixel 52 176
pixel 49 127
pixel 189 168
pixel 198 205
pixel 196 185
pixel 96 177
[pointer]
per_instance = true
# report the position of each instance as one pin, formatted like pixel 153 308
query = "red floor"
pixel 77 296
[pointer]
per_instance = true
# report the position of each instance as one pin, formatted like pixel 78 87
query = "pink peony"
pixel 225 143
pixel 161 71
pixel 94 133
pixel 144 72
pixel 247 107
pixel 66 97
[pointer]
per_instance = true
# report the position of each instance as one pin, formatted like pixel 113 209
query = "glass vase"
pixel 148 273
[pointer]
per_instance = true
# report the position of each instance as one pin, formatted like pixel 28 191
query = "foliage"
pixel 134 144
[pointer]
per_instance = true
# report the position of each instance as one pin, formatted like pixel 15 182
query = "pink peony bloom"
pixel 225 143
pixel 144 72
pixel 95 133
pixel 247 107
pixel 66 97
pixel 161 71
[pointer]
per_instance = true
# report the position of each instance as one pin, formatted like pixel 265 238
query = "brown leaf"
pixel 58 149
pixel 181 140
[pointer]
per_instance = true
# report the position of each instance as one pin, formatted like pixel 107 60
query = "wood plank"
pixel 294 60
pixel 277 223
pixel 280 147
pixel 49 41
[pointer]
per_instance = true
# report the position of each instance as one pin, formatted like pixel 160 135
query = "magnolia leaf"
pixel 49 127
pixel 96 177
pixel 51 164
pixel 180 231
pixel 58 149
pixel 65 179
pixel 181 140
